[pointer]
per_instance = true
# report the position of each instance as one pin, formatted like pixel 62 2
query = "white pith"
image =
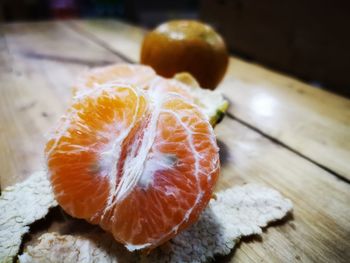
pixel 109 157
pixel 133 167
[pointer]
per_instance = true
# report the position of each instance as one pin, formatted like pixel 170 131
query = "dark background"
pixel 308 39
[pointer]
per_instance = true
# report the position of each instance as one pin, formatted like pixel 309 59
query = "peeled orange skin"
pixel 186 46
pixel 140 164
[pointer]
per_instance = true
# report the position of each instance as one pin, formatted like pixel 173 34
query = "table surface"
pixel 279 132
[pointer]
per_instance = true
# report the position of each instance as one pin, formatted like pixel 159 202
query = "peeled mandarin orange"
pixel 141 163
pixel 186 46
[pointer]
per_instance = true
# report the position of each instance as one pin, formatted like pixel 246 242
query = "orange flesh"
pixel 141 164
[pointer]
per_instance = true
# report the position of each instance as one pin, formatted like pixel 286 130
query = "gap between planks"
pixel 282 144
pixel 99 42
pixel 105 45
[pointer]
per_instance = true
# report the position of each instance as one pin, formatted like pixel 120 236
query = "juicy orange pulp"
pixel 140 162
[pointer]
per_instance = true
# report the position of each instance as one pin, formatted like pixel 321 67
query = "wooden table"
pixel 279 132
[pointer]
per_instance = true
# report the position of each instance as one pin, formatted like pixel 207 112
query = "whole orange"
pixel 186 46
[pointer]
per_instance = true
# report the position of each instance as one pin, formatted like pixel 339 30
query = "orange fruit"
pixel 141 163
pixel 186 46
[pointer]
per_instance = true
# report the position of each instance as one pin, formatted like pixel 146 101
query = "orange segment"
pixel 137 75
pixel 78 152
pixel 140 163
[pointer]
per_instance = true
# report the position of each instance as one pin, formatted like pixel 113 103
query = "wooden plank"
pixel 311 121
pixel 321 226
pixel 119 36
pixel 38 63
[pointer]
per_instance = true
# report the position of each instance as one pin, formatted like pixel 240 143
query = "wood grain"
pixel 38 63
pixel 320 228
pixel 311 121
pixel 35 91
